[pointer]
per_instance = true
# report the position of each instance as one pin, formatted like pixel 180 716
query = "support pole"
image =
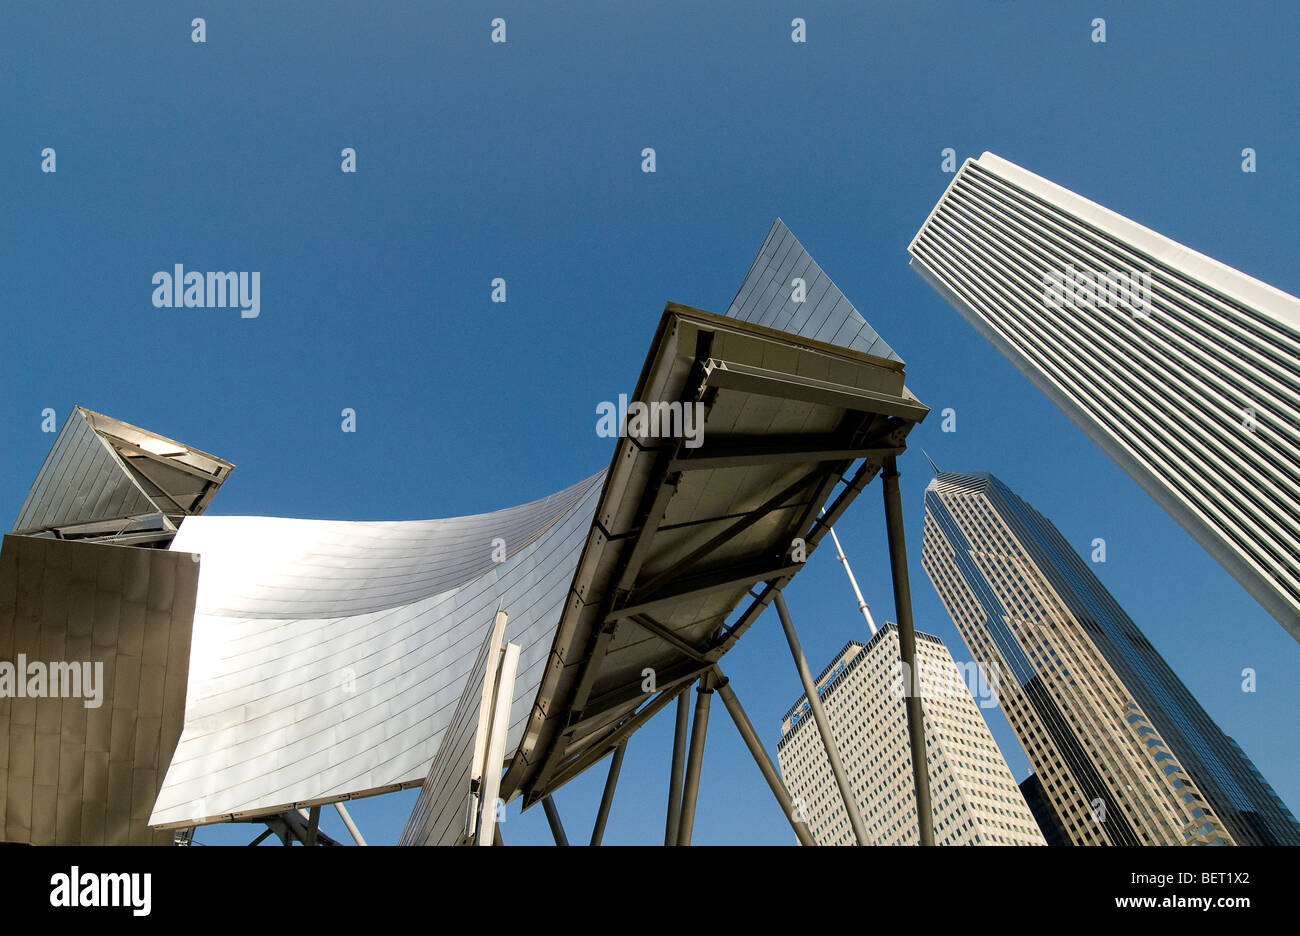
pixel 679 765
pixel 611 781
pixel 823 725
pixel 313 824
pixel 862 602
pixel 553 817
pixel 764 762
pixel 347 821
pixel 907 647
pixel 695 760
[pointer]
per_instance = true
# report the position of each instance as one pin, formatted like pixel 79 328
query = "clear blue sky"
pixel 523 161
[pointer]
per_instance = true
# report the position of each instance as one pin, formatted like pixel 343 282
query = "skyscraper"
pixel 975 799
pixel 1124 753
pixel 1185 371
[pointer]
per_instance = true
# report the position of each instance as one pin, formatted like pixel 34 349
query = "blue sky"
pixel 523 161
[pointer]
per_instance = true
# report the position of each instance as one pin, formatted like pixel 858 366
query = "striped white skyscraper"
pixel 1185 371
pixel 975 799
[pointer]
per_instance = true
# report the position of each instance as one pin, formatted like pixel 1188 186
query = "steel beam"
pixel 313 826
pixel 866 471
pixel 753 379
pixel 761 758
pixel 694 761
pixel 553 818
pixel 571 768
pixel 347 821
pixel 907 647
pixel 666 678
pixel 611 782
pixel 679 765
pixel 698 654
pixel 777 450
pixel 776 502
pixel 823 724
pixel 746 573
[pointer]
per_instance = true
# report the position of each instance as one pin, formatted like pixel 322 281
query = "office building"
pixel 1185 371
pixel 1124 753
pixel 975 799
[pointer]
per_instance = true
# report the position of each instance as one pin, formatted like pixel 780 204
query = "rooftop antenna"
pixel 930 460
pixel 862 602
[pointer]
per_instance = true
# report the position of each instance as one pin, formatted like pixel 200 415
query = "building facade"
pixel 1183 370
pixel 1123 752
pixel 975 799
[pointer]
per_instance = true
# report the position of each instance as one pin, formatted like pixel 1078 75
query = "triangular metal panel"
pixel 767 297
pixel 82 480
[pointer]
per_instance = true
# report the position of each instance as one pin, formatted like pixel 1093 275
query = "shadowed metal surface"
pixel 105 478
pixel 684 535
pixel 440 810
pixel 329 665
pixel 72 775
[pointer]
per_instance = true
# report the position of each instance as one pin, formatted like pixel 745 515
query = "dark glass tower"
pixel 1124 753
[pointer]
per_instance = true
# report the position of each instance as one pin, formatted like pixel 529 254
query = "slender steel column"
pixel 347 821
pixel 695 760
pixel 764 762
pixel 907 647
pixel 313 824
pixel 553 817
pixel 679 764
pixel 611 781
pixel 823 725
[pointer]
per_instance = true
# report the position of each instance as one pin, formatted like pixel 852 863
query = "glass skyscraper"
pixel 1124 753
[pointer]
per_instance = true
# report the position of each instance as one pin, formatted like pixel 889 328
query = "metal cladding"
pixel 329 656
pixel 767 297
pixel 440 810
pixel 112 626
pixel 328 660
pixel 684 535
pixel 106 479
pixel 1185 371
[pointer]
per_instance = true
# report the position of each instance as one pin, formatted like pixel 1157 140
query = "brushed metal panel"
pixel 440 811
pixel 76 774
pixel 22 750
pixel 80 473
pixel 765 297
pixel 44 816
pixel 329 656
pixel 18 809
pixel 96 472
pixel 92 823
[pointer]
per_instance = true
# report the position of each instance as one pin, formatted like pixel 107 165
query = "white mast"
pixel 862 602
